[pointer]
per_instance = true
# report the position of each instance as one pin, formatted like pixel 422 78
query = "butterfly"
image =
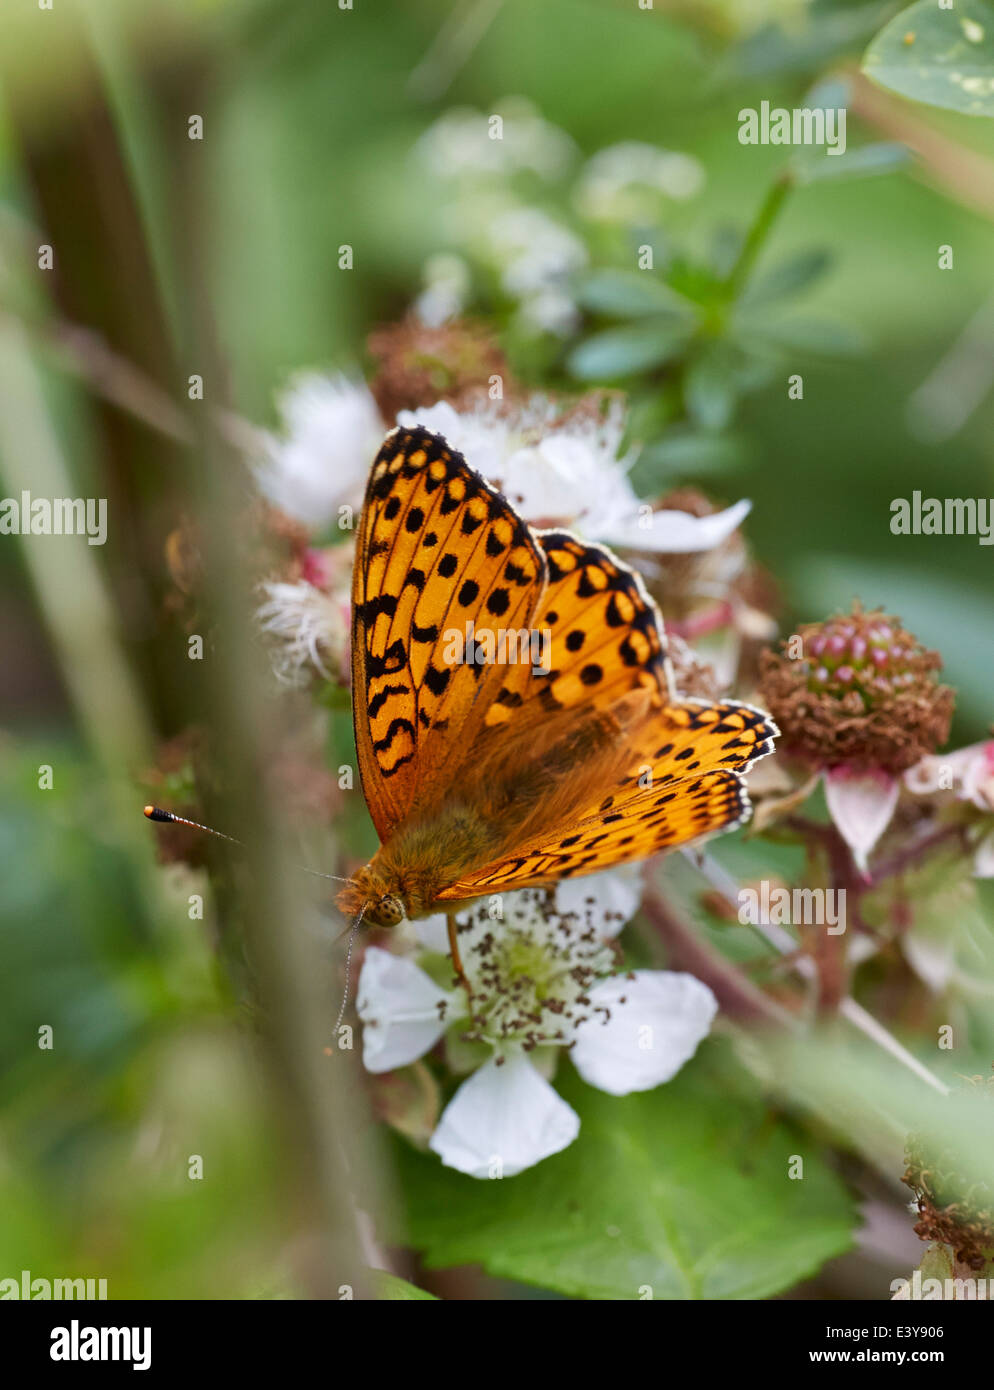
pixel 485 775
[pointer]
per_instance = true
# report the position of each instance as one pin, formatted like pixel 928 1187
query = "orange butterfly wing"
pixel 683 784
pixel 437 548
pixel 604 636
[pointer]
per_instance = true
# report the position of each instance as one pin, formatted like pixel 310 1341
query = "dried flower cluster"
pixel 861 692
pixel 953 1209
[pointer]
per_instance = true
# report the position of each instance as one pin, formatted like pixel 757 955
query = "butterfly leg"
pixel 454 953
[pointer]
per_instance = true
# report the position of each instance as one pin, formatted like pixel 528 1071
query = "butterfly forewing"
pixel 438 549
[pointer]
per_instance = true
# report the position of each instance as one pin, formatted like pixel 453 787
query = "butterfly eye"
pixel 389 910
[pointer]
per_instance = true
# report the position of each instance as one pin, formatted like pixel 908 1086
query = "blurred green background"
pixel 179 254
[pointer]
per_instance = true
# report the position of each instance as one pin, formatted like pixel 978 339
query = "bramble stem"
pixel 784 943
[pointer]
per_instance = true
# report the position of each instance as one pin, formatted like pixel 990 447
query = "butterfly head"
pixel 371 895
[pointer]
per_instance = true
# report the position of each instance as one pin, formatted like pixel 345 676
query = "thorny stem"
pixel 785 945
pixel 840 860
pixel 83 354
pixel 910 854
pixel 738 996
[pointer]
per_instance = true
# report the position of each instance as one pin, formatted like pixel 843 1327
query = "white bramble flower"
pixel 534 255
pixel 541 977
pixel 332 429
pixel 446 290
pixel 623 183
pixel 967 775
pixel 570 475
pixel 307 631
pixel 464 143
pixel 534 250
pixel 551 310
pixel 537 257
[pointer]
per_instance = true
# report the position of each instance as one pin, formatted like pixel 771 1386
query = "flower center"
pixel 530 977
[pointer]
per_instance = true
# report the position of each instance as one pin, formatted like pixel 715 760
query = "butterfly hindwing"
pixel 602 637
pixel 681 782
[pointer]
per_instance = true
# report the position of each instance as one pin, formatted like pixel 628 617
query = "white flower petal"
pixel 924 777
pixel 617 182
pixel 932 958
pixel 978 778
pixel 967 773
pixel 646 1039
pixel 480 436
pixel 503 1119
pixel 605 901
pixel 433 933
pixel 306 628
pixel 571 475
pixel 400 1007
pixel 983 859
pixel 674 532
pixel 332 431
pixel 861 805
pixel 447 286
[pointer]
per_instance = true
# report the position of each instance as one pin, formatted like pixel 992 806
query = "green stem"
pixel 767 215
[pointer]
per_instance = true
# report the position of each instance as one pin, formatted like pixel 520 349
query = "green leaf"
pixel 790 277
pixel 392 1289
pixel 940 57
pixel 710 386
pixel 629 294
pixel 820 337
pixel 777 48
pixel 683 452
pixel 621 351
pixel 868 162
pixel 683 1189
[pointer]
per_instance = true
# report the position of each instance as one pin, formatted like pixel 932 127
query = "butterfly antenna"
pixel 170 818
pixel 348 964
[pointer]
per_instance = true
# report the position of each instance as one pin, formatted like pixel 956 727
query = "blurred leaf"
pixel 868 161
pixel 683 1189
pixel 726 247
pixel 620 351
pixel 701 284
pixel 819 336
pixel 710 386
pixel 392 1289
pixel 940 57
pixel 866 1094
pixel 681 452
pixel 806 45
pixel 629 294
pixel 790 277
